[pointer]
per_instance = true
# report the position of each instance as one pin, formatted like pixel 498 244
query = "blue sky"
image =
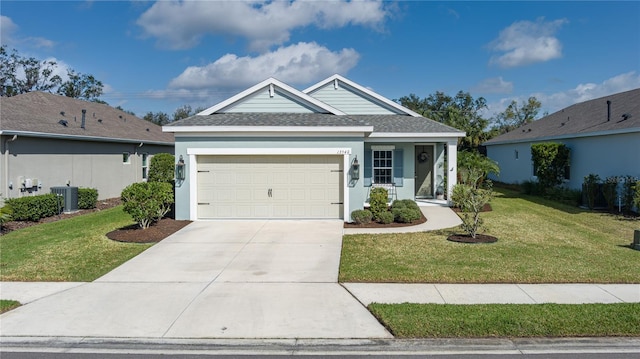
pixel 158 56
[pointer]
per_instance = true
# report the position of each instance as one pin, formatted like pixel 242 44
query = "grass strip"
pixel 508 320
pixel 539 241
pixel 7 305
pixel 74 249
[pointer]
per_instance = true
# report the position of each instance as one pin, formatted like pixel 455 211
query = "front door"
pixel 424 171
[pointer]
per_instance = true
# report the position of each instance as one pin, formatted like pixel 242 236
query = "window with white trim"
pixel 382 166
pixel 145 165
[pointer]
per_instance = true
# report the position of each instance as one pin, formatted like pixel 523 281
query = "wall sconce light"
pixel 180 175
pixel 355 169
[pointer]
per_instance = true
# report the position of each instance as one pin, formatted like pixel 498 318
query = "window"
pixel 145 166
pixel 126 157
pixel 382 166
pixel 517 154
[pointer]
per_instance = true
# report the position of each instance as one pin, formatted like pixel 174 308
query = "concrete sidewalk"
pixel 438 217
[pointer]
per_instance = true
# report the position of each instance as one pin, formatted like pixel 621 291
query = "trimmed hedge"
pixel 87 198
pixel 385 217
pixel 362 216
pixel 161 168
pixel 405 211
pixel 32 208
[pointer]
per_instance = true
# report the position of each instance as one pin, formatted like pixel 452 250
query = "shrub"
pixel 32 208
pixel 531 188
pixel 474 167
pixel 378 202
pixel 161 168
pixel 636 197
pixel 590 189
pixel 147 202
pixel 5 215
pixel 629 188
pixel 471 200
pixel 550 161
pixel 361 216
pixel 610 191
pixel 385 217
pixel 87 198
pixel 405 214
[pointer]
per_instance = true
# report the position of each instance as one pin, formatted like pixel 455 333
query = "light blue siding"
pixel 351 102
pixel 612 155
pixel 263 102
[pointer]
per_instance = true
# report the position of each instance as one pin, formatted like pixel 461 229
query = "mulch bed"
pixel 465 238
pixel 100 205
pixel 390 225
pixel 155 233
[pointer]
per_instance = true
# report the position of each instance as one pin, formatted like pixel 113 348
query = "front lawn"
pixel 540 241
pixel 509 320
pixel 74 249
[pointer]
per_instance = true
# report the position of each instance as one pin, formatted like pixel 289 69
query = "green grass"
pixel 511 320
pixel 7 305
pixel 540 241
pixel 74 249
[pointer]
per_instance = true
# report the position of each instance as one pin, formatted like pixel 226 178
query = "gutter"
pixel 6 163
pixel 83 138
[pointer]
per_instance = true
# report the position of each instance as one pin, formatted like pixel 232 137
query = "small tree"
pixel 473 168
pixel 590 189
pixel 378 202
pixel 471 200
pixel 147 202
pixel 161 168
pixel 550 161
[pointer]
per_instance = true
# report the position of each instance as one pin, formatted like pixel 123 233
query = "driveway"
pixel 213 279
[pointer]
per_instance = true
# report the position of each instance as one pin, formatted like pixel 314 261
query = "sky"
pixel 156 56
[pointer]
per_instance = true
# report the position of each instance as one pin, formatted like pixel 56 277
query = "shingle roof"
pixel 582 119
pixel 45 113
pixel 380 123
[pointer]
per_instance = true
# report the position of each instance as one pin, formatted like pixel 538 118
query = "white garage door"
pixel 274 186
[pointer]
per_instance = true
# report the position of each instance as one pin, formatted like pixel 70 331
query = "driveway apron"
pixel 213 279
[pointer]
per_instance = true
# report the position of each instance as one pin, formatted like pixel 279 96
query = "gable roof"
pixel 43 114
pixel 337 81
pixel 617 113
pixel 273 85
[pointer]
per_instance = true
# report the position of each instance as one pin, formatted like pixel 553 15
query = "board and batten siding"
pixel 349 102
pixel 263 102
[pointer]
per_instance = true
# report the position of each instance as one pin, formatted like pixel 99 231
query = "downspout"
pixel 6 163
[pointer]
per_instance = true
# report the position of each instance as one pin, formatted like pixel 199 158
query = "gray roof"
pixel 42 113
pixel 380 123
pixel 582 119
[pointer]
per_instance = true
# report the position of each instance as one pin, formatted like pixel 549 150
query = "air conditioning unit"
pixel 70 197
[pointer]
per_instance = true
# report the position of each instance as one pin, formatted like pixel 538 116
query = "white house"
pixel 273 151
pixel 603 135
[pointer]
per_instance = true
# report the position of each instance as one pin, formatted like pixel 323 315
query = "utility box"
pixel 636 240
pixel 70 197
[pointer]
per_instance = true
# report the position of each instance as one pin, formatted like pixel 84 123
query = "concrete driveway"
pixel 213 279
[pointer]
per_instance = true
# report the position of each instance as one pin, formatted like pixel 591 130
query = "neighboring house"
pixel 602 134
pixel 50 140
pixel 276 152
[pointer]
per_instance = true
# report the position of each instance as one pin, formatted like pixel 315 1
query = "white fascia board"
pixel 363 90
pixel 414 134
pixel 263 129
pixel 264 84
pixel 567 137
pixel 269 151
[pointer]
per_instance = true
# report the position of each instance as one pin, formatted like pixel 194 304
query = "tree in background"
pixel 81 86
pixel 550 162
pixel 461 111
pixel 161 118
pixel 20 75
pixel 516 115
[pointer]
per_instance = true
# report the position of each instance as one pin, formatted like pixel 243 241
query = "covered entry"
pixel 270 186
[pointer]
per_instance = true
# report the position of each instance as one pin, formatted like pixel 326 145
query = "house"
pixel 50 140
pixel 603 136
pixel 273 151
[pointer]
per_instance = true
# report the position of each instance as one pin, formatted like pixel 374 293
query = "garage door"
pixel 278 186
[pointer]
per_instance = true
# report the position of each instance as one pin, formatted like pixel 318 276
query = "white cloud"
pixel 527 42
pixel 552 102
pixel 494 85
pixel 7 28
pixel 301 63
pixel 181 25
